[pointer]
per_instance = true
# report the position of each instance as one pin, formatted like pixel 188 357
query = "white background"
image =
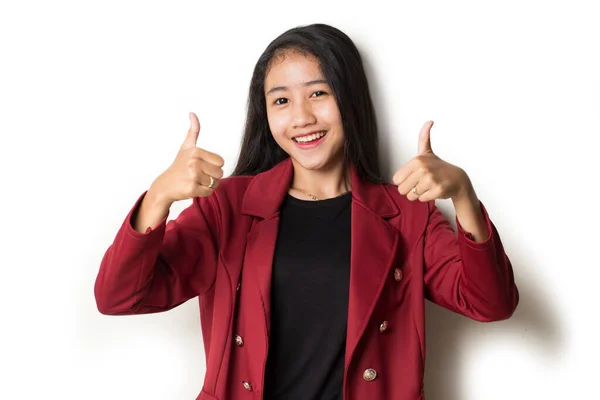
pixel 94 102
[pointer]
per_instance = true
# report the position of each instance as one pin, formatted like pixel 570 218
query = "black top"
pixel 309 300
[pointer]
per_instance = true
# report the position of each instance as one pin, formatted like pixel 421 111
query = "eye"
pixel 278 102
pixel 320 93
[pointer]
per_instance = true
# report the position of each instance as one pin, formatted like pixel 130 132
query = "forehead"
pixel 292 68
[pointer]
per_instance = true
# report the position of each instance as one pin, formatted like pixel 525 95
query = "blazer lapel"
pixel 374 244
pixel 374 247
pixel 262 201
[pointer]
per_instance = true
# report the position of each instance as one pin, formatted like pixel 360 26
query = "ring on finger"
pixel 414 190
pixel 212 182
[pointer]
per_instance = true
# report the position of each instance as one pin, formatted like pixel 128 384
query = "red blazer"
pixel 221 249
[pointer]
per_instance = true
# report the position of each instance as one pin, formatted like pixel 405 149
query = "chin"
pixel 311 165
pixel 314 164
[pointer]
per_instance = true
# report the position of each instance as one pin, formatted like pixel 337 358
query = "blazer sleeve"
pixel 474 279
pixel 162 268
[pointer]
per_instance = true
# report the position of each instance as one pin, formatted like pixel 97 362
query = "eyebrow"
pixel 305 84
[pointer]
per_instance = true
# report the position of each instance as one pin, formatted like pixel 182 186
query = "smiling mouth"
pixel 310 138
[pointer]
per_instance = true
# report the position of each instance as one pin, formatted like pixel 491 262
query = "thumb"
pixel 192 135
pixel 425 139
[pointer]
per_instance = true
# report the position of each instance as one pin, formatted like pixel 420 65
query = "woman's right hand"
pixel 190 174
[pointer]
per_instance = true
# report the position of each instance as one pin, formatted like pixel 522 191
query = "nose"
pixel 303 114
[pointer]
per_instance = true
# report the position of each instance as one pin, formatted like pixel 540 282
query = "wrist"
pixel 157 199
pixel 466 192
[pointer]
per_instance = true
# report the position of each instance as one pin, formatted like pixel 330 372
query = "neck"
pixel 323 183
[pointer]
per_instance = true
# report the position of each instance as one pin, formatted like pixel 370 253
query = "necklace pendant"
pixel 315 198
pixel 312 197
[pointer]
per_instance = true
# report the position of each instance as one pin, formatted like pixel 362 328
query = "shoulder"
pixel 234 185
pixel 402 201
pixel 230 192
pixel 222 208
pixel 413 213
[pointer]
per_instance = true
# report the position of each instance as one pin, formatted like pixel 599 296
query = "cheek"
pixel 277 124
pixel 329 113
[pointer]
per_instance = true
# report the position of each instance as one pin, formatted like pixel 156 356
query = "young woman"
pixel 311 271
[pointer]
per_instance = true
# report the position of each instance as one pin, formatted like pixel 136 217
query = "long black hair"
pixel 341 64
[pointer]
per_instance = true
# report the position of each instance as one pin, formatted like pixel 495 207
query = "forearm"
pixel 469 215
pixel 150 213
pixel 127 266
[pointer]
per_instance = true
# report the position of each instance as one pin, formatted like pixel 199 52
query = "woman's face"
pixel 303 115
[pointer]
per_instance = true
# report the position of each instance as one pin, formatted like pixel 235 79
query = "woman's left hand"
pixel 432 177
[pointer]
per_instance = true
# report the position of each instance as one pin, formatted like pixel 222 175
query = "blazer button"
pixel 398 274
pixel 383 327
pixel 239 341
pixel 369 374
pixel 247 386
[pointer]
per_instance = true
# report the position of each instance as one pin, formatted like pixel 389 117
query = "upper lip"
pixel 308 133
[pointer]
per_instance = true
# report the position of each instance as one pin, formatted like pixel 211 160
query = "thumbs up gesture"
pixel 195 172
pixel 427 177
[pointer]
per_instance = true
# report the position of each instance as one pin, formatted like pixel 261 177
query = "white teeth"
pixel 310 138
